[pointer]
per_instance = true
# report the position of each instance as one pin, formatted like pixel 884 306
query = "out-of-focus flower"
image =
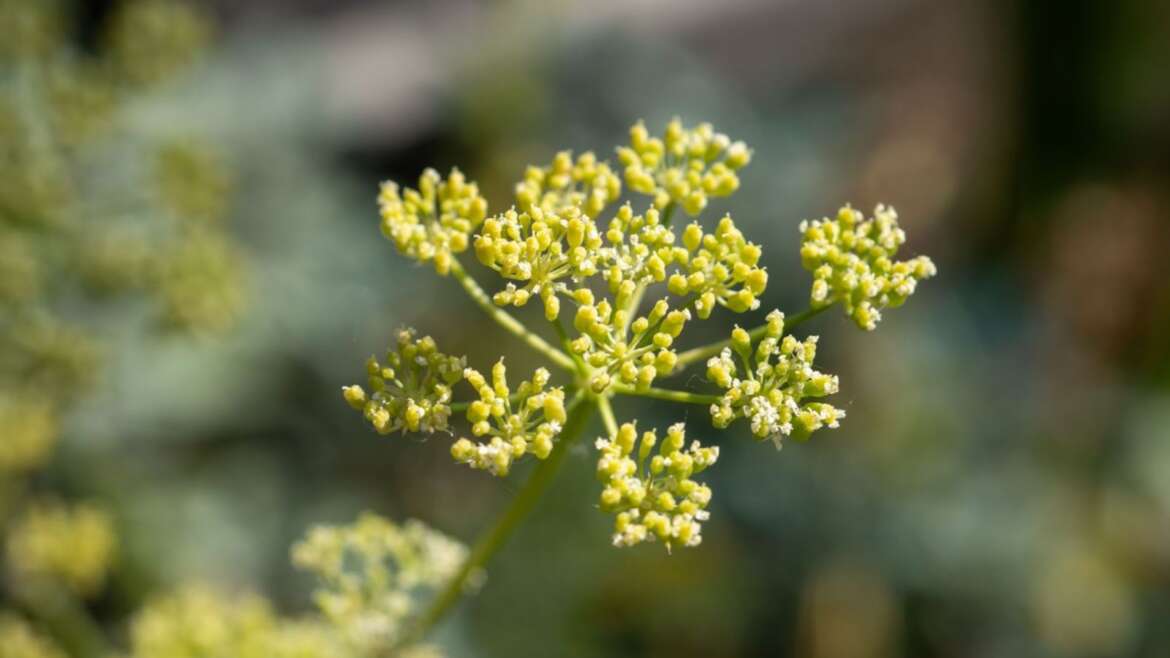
pixel 151 40
pixel 200 623
pixel 192 181
pixel 200 282
pixel 30 432
pixel 654 497
pixel 74 545
pixel 373 574
pixel 852 262
pixel 19 640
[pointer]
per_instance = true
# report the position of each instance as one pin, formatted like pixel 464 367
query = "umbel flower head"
pixel 373 574
pixel 653 495
pixel 770 384
pixel 586 184
pixel 433 222
pixel 685 167
pixel 411 391
pixel 852 262
pixel 538 248
pixel 603 343
pixel 720 267
pixel 519 424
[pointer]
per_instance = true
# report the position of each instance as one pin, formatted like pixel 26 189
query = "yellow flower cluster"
pixel 721 267
pixel 639 248
pixel 852 262
pixel 684 167
pixel 538 248
pixel 769 386
pixel 603 345
pixel 373 574
pixel 19 640
pixel 72 545
pixel 412 390
pixel 433 222
pixel 585 184
pixel 654 497
pixel 520 424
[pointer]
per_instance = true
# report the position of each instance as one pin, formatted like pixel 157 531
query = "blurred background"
pixel 191 268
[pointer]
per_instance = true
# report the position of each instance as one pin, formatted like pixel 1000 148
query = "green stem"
pixel 607 416
pixel 668 394
pixel 494 538
pixel 699 353
pixel 505 319
pixel 64 617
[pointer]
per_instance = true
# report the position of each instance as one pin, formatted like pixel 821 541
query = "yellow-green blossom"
pixel 720 268
pixel 19 640
pixel 31 28
pixel 585 184
pixel 199 622
pixel 635 360
pixel 538 248
pixel 74 545
pixel 435 221
pixel 852 262
pixel 638 248
pixel 373 574
pixel 200 283
pixel 411 391
pixel 192 181
pixel 770 386
pixel 654 497
pixel 685 167
pixel 524 423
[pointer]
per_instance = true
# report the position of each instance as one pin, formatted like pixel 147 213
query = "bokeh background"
pixel 1001 486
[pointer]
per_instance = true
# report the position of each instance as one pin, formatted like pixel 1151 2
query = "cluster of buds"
pixel 586 184
pixel 373 573
pixel 852 262
pixel 538 248
pixel 603 343
pixel 683 167
pixel 654 497
pixel 150 40
pixel 639 249
pixel 200 282
pixel 435 221
pixel 526 422
pixel 71 545
pixel 771 388
pixel 721 267
pixel 411 391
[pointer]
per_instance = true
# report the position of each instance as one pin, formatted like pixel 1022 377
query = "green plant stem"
pixel 59 611
pixel 494 538
pixel 668 394
pixel 607 416
pixel 699 353
pixel 505 319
